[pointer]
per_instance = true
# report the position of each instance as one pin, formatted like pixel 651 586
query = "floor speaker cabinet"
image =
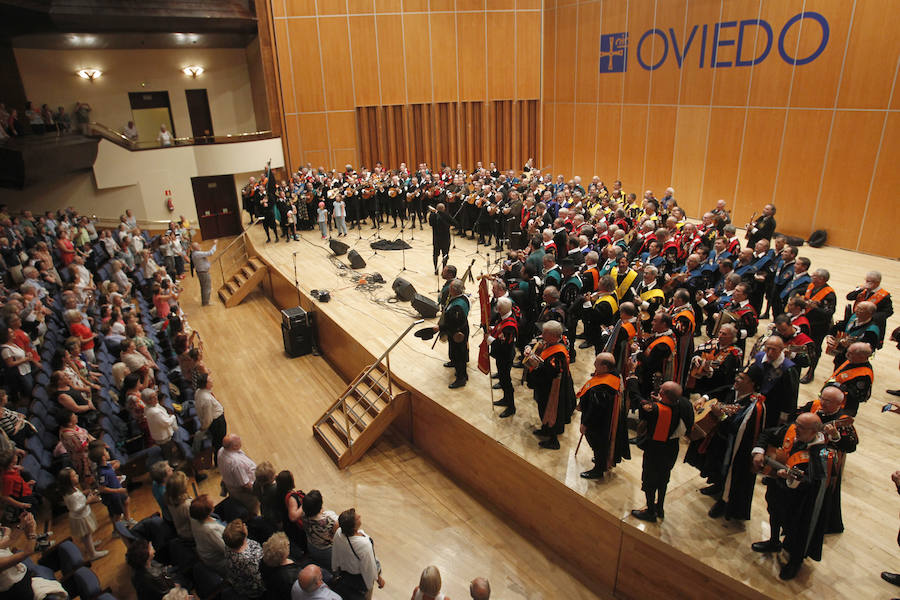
pixel 356 261
pixel 425 306
pixel 297 331
pixel 403 289
pixel 339 248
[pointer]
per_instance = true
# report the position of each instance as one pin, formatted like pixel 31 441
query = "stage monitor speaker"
pixel 297 331
pixel 425 306
pixel 294 317
pixel 403 289
pixel 356 261
pixel 339 248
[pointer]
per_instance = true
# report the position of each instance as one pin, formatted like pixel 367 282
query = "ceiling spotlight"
pixel 193 71
pixel 90 74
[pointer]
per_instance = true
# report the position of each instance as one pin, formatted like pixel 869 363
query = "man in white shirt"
pixel 161 424
pixel 309 586
pixel 238 472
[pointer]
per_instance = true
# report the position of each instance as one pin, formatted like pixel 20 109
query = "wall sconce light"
pixel 193 71
pixel 90 74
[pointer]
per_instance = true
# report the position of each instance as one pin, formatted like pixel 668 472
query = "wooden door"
pixel 217 206
pixel 201 119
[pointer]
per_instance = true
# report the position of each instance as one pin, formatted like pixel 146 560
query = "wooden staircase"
pixel 248 276
pixel 358 418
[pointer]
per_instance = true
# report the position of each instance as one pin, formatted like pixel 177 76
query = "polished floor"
pixel 415 514
pixel 852 560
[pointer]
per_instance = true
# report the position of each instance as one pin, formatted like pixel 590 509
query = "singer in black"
pixel 440 223
pixel 502 339
pixel 454 326
pixel 603 417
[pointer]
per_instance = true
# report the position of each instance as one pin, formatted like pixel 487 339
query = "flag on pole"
pixel 484 357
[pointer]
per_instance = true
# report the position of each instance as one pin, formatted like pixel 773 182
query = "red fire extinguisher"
pixel 170 203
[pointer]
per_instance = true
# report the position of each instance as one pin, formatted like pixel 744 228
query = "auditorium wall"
pixel 430 80
pixel 739 99
pixel 50 77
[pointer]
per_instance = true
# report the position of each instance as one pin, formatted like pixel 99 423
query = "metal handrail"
pixel 342 401
pixel 119 139
pixel 242 257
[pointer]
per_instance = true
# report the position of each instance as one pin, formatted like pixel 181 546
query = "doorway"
pixel 149 110
pixel 201 119
pixel 217 206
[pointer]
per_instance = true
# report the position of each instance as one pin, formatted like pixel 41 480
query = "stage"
pixel 588 523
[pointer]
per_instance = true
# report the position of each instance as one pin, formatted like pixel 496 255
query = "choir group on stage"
pixel 671 310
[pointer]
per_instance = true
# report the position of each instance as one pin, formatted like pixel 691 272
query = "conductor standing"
pixel 440 223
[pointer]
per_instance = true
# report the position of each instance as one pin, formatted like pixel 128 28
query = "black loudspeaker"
pixel 356 261
pixel 339 248
pixel 403 289
pixel 425 306
pixel 297 331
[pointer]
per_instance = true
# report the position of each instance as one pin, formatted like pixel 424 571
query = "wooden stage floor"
pixel 852 561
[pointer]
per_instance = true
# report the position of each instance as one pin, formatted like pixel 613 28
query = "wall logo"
pixel 613 52
pixel 716 45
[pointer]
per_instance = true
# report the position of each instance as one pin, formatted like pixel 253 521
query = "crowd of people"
pixel 30 119
pixel 103 376
pixel 636 281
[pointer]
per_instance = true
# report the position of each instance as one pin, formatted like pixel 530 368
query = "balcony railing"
pixel 116 137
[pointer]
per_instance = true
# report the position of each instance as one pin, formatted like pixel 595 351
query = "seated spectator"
pixel 243 556
pixel 279 572
pixel 429 587
pixel 319 526
pixel 207 533
pixel 178 503
pixel 47 117
pixel 159 476
pixel 34 119
pixel 137 362
pixel 135 331
pixel 119 277
pixel 150 579
pixel 353 555
pixel 13 126
pixel 310 586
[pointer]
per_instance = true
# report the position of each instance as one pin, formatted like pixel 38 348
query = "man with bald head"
pixel 480 589
pixel 793 495
pixel 842 438
pixel 238 472
pixel 854 376
pixel 667 416
pixel 603 416
pixel 309 586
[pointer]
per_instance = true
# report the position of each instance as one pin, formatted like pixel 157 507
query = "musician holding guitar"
pixel 803 465
pixel 762 227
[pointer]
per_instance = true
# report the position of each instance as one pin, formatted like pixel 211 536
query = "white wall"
pixel 49 76
pixel 138 180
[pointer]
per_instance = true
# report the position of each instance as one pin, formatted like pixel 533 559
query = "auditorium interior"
pixel 324 161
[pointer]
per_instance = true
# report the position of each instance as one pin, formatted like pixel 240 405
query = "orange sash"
pixel 842 376
pixel 663 339
pixel 630 329
pixel 663 422
pixel 818 296
pixel 607 379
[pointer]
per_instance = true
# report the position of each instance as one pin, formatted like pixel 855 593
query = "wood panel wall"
pixel 443 62
pixel 449 133
pixel 819 140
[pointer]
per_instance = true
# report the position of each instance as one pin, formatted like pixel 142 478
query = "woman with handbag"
pixel 353 559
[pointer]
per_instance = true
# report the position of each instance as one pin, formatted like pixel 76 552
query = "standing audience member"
pixel 210 413
pixel 162 425
pixel 319 526
pixel 178 504
pixel 81 519
pixel 238 472
pixel 480 589
pixel 207 532
pixel 244 556
pixel 353 555
pixel 279 572
pixel 310 586
pixel 200 258
pixel 429 587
